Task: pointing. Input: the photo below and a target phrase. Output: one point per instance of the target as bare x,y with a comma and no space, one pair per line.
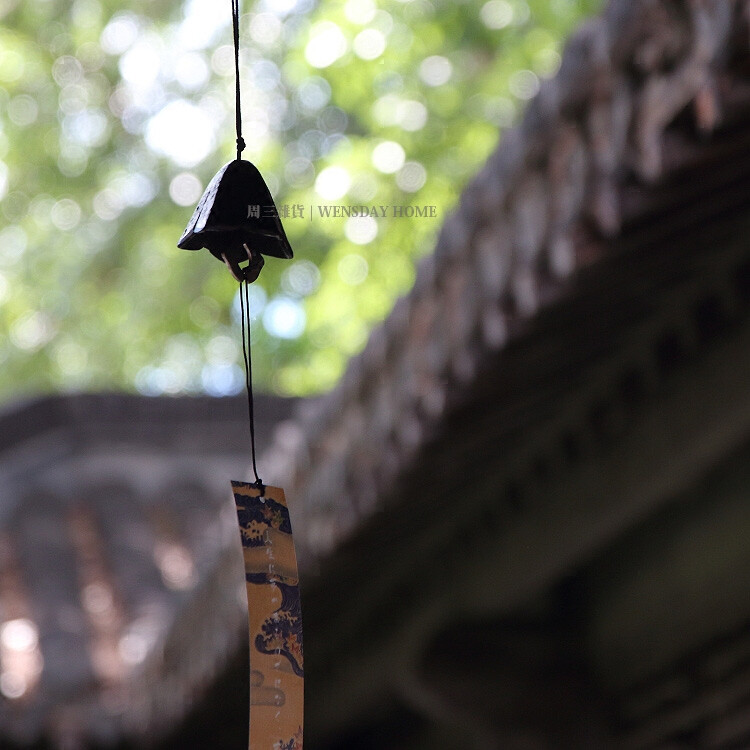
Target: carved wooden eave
572,362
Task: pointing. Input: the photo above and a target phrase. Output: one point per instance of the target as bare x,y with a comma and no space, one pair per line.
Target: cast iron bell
236,220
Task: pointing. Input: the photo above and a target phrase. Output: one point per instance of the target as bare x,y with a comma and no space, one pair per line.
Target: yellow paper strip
275,616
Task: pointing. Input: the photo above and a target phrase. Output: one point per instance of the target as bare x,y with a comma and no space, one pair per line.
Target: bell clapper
250,272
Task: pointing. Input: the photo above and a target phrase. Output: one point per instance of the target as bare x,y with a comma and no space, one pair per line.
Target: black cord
245,322
237,103
244,285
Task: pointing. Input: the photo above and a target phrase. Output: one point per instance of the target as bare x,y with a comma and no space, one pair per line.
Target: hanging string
244,285
245,322
237,105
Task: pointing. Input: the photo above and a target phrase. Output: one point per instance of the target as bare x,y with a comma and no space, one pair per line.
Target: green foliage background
93,292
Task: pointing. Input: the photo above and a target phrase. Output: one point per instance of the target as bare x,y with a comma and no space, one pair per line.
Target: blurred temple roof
115,519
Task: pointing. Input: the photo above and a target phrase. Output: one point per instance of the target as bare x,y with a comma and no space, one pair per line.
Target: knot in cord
237,102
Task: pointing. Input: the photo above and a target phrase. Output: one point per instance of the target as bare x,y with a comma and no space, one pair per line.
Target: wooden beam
701,413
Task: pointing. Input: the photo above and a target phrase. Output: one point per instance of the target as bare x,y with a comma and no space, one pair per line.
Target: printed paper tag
275,615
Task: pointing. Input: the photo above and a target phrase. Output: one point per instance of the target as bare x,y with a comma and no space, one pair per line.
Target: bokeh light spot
23,110
369,44
332,183
185,189
13,685
284,318
119,33
265,29
524,84
327,44
191,71
411,177
301,278
66,214
496,14
314,93
388,157
353,269
411,115
360,11
361,229
183,132
19,635
436,70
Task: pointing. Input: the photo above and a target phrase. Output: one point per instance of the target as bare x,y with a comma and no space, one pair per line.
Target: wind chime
237,221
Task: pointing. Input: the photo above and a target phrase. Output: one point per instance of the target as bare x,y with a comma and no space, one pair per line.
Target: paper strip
275,616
